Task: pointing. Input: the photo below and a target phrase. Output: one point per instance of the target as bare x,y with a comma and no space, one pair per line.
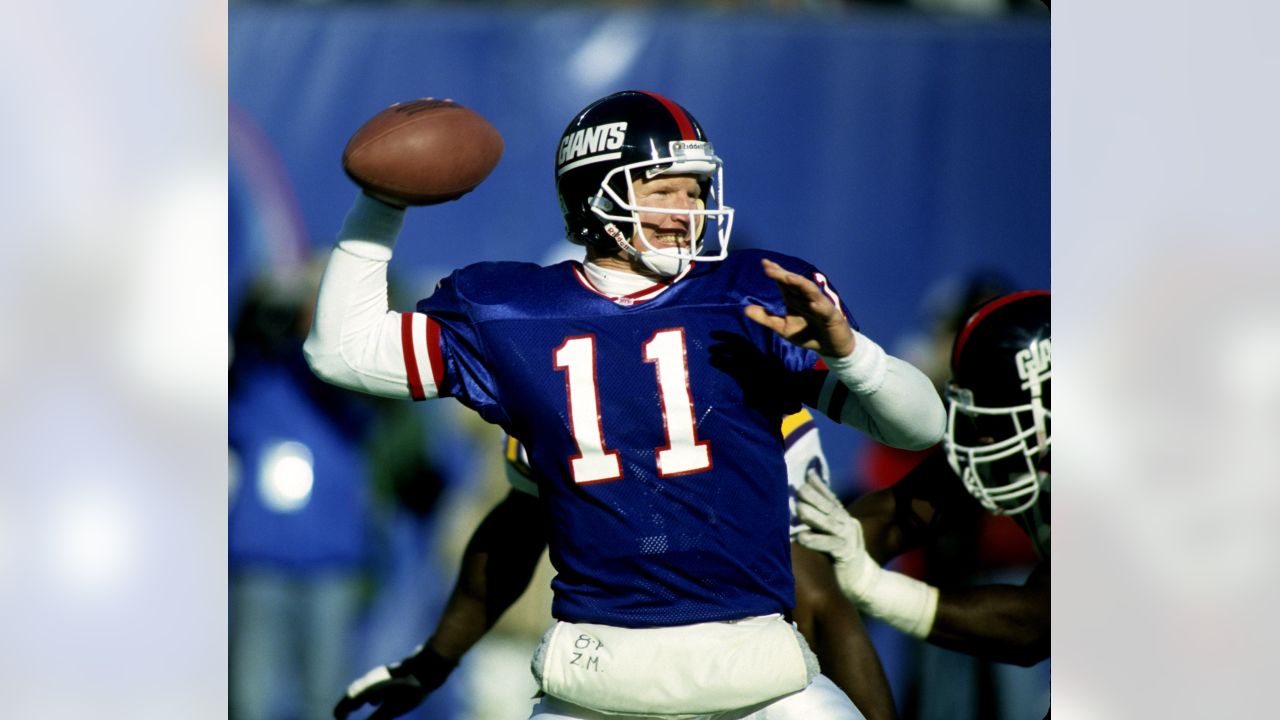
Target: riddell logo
690,147
587,141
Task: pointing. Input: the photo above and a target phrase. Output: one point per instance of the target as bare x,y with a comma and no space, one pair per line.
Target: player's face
999,456
980,430
675,192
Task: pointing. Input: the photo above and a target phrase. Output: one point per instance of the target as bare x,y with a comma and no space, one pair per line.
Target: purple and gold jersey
652,427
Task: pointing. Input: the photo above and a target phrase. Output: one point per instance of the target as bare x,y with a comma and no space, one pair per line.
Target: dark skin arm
835,632
497,566
1004,623
916,510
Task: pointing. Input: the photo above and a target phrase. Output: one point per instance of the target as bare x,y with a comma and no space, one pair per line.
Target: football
423,152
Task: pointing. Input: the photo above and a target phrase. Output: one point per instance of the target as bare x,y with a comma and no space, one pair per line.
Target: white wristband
887,397
864,370
904,602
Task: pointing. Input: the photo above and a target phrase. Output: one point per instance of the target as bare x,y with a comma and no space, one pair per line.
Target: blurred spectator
493,681
947,306
309,462
299,506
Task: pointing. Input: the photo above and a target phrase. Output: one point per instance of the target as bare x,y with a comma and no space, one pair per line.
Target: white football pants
821,700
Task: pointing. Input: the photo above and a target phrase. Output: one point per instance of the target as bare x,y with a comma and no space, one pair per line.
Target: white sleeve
356,340
886,397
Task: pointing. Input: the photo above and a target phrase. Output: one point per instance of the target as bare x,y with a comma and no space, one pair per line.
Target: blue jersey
652,429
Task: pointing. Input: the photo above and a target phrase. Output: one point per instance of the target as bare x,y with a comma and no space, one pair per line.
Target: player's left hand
812,321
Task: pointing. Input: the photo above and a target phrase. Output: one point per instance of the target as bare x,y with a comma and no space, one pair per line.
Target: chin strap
664,265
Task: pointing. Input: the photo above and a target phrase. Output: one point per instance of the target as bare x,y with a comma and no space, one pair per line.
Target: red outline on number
688,394
568,394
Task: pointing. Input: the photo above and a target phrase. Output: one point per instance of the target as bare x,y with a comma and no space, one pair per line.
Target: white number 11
683,453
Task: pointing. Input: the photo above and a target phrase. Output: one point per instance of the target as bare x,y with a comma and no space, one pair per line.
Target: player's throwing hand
812,321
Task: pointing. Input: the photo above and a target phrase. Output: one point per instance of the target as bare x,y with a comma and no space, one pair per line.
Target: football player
502,555
996,453
648,382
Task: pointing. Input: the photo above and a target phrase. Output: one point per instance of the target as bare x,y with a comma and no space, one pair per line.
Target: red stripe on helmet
981,314
678,113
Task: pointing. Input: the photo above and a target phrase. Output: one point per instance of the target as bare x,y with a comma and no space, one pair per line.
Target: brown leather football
423,152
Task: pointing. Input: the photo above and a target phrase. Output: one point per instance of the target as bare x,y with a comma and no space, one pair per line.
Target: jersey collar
620,287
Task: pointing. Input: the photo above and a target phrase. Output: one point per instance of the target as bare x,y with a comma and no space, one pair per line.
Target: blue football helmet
635,135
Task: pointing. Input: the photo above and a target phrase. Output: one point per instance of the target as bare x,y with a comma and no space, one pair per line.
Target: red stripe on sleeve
410,359
433,353
686,127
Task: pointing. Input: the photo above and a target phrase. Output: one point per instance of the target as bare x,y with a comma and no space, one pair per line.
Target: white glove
834,532
901,601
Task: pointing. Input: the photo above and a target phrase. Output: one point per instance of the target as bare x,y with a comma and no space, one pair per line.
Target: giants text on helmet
588,141
1034,363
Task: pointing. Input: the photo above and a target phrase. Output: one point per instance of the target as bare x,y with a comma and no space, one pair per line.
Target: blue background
891,151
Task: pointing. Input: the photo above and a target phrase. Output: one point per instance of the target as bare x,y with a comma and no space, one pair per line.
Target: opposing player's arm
834,629
1004,623
884,396
882,533
913,512
499,562
497,566
356,341
901,601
